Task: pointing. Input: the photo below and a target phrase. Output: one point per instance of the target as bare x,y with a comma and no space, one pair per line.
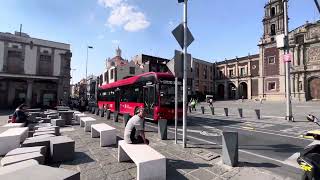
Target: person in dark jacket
19,115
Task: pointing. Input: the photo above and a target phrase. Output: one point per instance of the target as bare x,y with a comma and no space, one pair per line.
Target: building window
242,71
220,74
271,86
273,29
14,54
231,72
271,60
132,70
111,73
105,76
272,11
45,58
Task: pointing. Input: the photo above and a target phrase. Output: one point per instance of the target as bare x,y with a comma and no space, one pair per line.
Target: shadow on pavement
79,158
251,164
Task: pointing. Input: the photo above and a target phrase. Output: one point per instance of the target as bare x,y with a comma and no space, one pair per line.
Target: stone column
297,86
293,81
29,92
237,89
237,70
295,55
249,89
249,68
301,55
226,90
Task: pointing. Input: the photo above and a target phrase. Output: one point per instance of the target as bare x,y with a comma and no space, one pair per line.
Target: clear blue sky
222,29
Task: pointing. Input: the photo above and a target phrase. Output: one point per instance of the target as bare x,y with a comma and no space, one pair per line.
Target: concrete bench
17,166
14,125
86,122
40,133
78,116
58,122
61,148
11,139
67,116
7,160
41,172
43,140
150,163
56,129
107,134
25,150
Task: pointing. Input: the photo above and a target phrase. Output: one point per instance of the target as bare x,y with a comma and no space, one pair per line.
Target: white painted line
247,152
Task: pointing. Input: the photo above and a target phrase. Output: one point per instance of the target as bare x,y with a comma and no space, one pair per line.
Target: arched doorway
232,89
314,88
243,90
220,91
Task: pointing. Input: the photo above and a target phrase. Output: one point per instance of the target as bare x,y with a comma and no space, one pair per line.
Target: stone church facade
269,81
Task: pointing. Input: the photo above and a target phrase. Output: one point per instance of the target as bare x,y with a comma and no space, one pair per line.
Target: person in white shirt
134,124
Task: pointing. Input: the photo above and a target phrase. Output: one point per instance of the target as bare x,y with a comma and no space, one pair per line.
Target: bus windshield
167,95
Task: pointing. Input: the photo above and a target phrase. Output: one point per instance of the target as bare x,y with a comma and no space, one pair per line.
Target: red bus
153,91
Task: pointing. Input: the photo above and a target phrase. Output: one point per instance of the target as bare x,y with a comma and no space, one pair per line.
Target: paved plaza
197,161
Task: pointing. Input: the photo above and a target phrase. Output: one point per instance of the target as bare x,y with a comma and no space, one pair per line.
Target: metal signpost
287,60
184,38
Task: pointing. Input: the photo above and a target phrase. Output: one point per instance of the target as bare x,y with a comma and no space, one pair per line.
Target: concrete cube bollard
115,116
61,149
230,148
108,113
212,110
126,118
102,113
202,109
162,129
240,112
226,111
97,111
257,111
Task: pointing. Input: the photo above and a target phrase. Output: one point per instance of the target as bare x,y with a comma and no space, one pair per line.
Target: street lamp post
88,47
289,116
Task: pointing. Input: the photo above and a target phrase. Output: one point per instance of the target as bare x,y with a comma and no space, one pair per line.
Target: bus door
149,97
117,100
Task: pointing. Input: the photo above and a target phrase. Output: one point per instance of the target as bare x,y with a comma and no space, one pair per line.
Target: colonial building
201,78
32,70
263,75
304,45
237,78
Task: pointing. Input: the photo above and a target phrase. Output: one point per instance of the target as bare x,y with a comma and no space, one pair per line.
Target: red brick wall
271,69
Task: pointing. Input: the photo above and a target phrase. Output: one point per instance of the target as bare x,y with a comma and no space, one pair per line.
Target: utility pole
86,90
185,72
289,116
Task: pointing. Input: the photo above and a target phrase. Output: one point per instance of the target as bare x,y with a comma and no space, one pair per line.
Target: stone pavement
195,162
95,162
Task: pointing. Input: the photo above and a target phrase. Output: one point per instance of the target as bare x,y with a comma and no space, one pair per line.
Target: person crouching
134,124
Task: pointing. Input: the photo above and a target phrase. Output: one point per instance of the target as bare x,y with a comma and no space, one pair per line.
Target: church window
273,29
272,11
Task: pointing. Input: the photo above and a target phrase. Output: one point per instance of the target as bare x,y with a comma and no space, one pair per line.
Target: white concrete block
106,133
150,163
